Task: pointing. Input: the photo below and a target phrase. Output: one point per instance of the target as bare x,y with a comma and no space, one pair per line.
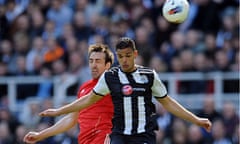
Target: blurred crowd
51,38
37,35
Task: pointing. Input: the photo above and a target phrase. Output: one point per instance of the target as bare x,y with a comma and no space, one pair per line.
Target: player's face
97,64
126,59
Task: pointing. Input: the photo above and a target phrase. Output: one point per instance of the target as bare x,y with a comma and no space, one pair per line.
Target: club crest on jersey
127,90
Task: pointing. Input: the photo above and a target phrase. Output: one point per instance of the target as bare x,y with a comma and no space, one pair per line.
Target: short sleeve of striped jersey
101,87
158,88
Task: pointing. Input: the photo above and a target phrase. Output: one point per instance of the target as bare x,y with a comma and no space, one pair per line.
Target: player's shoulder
143,69
113,70
85,84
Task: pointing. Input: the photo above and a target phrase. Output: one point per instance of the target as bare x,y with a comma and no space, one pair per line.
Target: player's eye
120,56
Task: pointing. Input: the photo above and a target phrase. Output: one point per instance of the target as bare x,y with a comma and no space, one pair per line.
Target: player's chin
95,74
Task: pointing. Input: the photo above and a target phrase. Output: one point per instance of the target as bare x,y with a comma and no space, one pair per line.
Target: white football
175,11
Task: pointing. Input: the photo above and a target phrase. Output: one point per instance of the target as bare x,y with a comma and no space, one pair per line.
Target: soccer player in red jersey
95,121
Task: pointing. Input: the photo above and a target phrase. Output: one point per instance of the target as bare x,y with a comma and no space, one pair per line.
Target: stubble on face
97,64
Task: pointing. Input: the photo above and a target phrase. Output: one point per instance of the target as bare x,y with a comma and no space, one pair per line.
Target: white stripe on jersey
141,115
141,79
122,77
127,103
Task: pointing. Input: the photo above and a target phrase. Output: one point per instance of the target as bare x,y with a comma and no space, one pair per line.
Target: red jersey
95,122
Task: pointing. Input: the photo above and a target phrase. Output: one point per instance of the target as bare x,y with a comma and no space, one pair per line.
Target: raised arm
75,106
176,109
61,126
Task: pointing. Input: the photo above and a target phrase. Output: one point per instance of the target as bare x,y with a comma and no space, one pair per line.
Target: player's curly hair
109,57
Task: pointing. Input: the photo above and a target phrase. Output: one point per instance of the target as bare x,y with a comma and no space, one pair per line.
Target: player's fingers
208,126
28,140
26,137
48,112
45,113
42,114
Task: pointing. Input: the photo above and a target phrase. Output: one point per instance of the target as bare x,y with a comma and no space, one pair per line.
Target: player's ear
135,53
108,65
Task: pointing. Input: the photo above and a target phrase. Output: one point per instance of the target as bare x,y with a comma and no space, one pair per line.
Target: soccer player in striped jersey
132,88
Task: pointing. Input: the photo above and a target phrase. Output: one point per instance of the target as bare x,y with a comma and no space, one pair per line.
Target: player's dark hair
125,42
109,57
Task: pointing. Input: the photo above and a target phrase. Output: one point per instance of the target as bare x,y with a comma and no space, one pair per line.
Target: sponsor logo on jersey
127,90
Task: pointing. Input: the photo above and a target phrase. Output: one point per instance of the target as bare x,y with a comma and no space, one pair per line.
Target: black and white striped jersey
132,98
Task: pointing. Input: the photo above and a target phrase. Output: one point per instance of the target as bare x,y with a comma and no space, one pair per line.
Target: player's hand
49,112
31,137
205,123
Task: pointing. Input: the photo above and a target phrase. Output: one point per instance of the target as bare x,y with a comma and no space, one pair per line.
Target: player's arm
159,90
75,106
61,126
176,109
95,95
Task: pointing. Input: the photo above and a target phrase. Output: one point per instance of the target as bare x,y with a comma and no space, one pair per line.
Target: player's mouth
94,71
125,66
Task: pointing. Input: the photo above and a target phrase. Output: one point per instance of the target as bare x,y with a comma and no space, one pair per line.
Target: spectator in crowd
164,120
227,27
9,119
45,87
30,117
54,51
38,50
37,23
236,64
158,64
143,44
21,48
3,23
235,137
195,135
193,41
230,118
6,53
49,30
179,132
5,135
3,70
60,14
176,65
221,61
20,132
14,9
219,133
82,30
76,63
208,109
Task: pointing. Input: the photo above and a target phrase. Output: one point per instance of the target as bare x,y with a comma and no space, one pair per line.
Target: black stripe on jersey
161,97
97,93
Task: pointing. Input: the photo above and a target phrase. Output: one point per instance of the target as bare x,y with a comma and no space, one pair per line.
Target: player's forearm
61,126
78,104
176,109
